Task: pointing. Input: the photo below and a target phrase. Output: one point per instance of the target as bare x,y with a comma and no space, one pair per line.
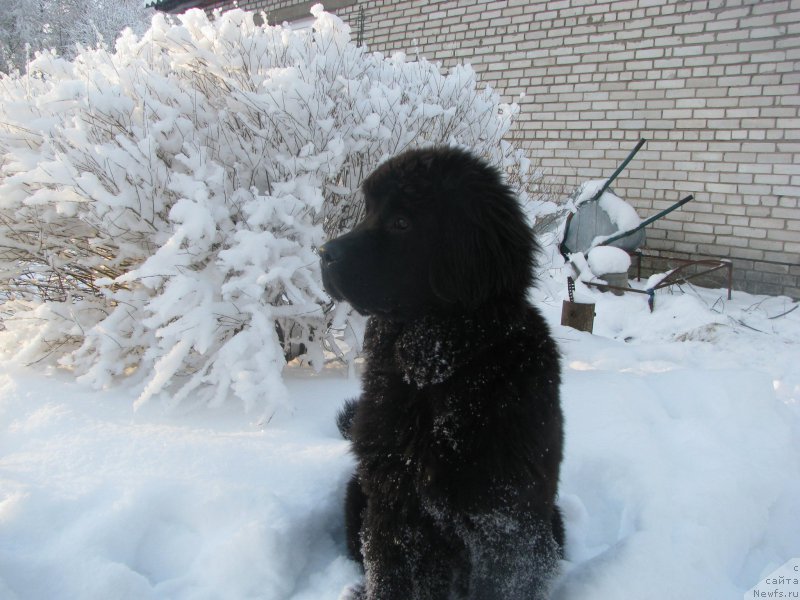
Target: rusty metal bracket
675,276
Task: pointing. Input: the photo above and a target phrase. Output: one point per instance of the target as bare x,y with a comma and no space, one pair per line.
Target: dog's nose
328,253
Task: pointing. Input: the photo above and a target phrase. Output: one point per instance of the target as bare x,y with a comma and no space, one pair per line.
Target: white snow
99,502
622,214
680,480
608,259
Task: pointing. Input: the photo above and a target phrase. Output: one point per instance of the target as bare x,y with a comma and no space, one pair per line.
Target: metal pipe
619,170
647,221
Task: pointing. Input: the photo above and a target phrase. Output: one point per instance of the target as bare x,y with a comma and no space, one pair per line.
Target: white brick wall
714,85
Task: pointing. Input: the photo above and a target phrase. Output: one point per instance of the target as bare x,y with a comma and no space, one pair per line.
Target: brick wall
714,85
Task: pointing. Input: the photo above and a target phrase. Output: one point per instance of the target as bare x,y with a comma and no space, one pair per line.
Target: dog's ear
485,252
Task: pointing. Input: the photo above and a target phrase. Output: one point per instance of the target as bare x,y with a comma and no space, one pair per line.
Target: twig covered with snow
160,206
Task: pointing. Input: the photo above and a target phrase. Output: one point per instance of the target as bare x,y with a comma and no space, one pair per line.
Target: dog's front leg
404,562
387,557
386,578
512,556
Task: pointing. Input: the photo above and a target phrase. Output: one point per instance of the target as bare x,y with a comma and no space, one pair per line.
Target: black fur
344,418
458,431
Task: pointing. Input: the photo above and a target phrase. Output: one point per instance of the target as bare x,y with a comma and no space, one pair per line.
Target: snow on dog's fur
458,431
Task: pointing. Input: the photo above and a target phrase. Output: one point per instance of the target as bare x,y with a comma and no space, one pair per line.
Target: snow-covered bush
160,206
30,25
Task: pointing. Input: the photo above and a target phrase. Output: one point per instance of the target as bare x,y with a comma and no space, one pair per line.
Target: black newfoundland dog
458,431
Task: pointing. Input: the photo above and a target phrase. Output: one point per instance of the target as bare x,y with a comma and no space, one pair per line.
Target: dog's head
442,232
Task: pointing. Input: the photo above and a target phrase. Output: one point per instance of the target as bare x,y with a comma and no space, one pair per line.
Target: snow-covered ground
681,478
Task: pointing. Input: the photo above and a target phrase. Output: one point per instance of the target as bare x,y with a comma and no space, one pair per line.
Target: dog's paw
353,592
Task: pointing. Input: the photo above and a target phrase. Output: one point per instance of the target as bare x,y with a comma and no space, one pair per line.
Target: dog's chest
410,440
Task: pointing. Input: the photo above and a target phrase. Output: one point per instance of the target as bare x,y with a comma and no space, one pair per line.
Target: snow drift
680,480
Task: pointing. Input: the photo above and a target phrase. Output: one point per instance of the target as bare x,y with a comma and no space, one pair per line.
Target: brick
786,213
783,235
741,252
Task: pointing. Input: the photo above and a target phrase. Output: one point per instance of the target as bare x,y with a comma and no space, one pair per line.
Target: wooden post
577,315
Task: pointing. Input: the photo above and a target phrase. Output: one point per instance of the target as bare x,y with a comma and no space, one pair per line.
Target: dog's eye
400,224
